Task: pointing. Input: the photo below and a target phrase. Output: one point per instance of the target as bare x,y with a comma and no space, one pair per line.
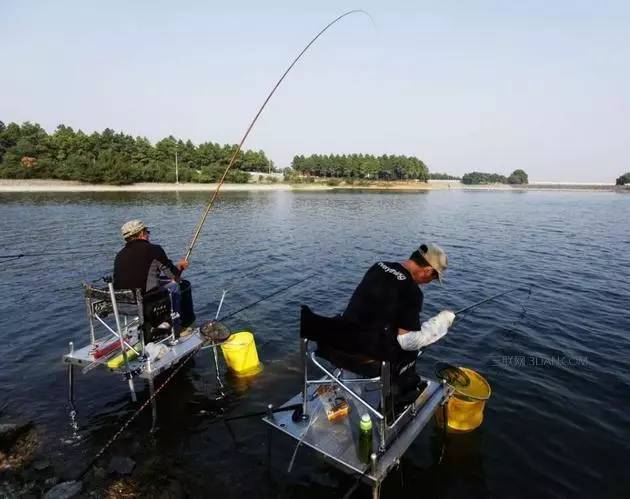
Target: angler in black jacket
141,264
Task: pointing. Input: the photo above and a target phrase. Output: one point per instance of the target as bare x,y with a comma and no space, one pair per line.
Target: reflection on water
551,428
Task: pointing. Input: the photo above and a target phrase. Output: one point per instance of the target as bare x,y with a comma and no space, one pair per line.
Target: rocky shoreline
26,473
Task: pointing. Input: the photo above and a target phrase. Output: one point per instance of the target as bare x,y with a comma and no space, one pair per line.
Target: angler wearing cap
140,264
389,297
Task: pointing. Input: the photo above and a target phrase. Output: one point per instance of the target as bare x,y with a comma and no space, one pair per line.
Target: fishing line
210,204
135,415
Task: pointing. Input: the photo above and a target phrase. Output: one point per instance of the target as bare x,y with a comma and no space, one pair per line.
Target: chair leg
386,402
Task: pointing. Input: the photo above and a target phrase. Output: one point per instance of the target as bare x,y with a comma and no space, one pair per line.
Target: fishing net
214,332
454,376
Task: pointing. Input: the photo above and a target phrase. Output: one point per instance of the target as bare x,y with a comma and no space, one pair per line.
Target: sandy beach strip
9,185
40,185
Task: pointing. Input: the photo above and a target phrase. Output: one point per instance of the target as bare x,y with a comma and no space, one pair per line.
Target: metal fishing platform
337,441
134,336
141,366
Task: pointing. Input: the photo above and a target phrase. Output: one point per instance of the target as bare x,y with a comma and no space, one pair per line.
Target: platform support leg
153,406
376,488
269,429
304,351
71,380
216,371
73,412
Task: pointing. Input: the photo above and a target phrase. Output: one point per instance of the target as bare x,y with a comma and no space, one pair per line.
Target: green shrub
518,177
483,178
623,179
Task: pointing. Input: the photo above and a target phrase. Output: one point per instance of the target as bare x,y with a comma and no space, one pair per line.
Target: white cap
132,227
436,257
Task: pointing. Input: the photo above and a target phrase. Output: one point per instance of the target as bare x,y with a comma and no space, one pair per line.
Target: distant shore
10,185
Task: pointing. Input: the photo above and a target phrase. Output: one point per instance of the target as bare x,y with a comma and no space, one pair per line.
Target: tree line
517,177
28,151
442,176
385,167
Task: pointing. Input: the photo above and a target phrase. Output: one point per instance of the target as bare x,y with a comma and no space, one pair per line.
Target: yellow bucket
465,407
240,354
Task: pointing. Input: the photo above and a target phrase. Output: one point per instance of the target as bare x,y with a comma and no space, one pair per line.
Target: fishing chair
150,313
100,304
377,363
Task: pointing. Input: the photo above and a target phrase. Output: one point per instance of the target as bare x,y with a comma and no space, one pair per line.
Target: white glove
447,316
431,331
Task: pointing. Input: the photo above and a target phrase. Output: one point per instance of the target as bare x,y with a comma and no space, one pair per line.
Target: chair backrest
341,335
100,302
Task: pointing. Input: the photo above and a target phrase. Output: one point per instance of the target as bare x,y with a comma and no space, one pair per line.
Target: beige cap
132,227
436,257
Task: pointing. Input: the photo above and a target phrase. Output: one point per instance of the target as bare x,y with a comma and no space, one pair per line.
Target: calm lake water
558,422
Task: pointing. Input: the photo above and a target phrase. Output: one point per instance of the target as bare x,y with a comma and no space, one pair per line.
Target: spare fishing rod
17,256
232,314
493,297
210,204
291,407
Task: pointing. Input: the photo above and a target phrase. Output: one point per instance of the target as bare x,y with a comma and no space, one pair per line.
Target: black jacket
386,297
139,265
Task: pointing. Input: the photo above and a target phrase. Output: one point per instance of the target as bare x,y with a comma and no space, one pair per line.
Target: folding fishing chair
336,344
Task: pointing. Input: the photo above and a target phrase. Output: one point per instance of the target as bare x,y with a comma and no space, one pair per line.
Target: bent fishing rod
236,152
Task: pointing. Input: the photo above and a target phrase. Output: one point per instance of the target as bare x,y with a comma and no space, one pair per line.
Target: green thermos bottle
365,438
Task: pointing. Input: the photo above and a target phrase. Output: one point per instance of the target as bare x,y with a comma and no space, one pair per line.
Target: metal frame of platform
126,334
338,441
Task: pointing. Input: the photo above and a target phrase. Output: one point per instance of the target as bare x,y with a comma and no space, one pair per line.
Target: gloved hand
183,264
447,316
430,331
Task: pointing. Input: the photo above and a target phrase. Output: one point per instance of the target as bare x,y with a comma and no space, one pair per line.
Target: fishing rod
16,256
210,204
493,297
285,408
266,297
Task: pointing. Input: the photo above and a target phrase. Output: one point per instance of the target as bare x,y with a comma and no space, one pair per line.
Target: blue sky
490,86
